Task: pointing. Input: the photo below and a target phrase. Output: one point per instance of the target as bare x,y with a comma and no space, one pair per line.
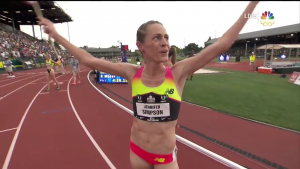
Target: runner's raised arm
119,69
189,66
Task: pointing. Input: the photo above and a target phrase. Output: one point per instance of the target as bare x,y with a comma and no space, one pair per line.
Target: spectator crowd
18,44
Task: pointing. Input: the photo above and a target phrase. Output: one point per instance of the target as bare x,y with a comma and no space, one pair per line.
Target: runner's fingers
44,21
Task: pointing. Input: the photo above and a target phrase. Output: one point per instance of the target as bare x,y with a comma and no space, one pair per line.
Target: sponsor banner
295,78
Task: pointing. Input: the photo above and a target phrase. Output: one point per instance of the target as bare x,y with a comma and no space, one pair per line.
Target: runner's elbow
83,57
89,62
223,45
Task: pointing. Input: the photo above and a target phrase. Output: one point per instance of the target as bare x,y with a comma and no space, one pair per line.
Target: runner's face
156,45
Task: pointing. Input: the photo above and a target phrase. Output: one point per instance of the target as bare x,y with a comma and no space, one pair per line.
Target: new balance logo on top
171,91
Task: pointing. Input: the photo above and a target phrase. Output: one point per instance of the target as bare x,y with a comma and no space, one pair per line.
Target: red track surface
51,135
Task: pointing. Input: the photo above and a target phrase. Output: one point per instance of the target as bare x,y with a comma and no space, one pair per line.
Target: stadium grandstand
249,42
106,52
23,49
16,13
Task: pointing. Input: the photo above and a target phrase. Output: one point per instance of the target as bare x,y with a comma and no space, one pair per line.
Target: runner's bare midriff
154,137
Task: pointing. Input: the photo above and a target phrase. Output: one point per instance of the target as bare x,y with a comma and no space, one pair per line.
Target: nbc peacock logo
267,19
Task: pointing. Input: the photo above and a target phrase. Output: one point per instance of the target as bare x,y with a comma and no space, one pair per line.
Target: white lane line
7,78
63,90
44,93
87,132
188,143
19,80
13,143
2,131
20,88
13,78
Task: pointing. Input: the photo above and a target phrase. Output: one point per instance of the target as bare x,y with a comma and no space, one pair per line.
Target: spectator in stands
252,61
8,67
20,45
2,54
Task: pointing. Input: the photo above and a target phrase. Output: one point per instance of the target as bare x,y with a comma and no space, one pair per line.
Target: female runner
58,65
50,72
61,65
156,89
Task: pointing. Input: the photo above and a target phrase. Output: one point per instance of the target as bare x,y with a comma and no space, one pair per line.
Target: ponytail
173,54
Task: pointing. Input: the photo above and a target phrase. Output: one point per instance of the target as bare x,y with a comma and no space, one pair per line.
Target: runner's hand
48,26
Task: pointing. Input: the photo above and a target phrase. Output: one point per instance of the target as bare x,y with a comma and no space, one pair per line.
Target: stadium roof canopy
279,46
268,32
103,50
23,14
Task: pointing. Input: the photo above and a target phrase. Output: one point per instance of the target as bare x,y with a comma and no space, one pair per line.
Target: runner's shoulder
130,69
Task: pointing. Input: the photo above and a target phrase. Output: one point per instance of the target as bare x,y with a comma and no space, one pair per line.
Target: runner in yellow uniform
50,72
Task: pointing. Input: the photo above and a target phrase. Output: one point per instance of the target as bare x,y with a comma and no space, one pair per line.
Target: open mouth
164,51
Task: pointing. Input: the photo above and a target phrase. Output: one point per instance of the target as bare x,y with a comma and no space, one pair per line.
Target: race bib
153,110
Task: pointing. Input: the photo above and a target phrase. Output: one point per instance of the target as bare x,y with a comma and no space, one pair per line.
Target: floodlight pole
41,32
33,30
297,56
272,55
13,23
290,50
121,45
68,31
265,56
215,34
246,49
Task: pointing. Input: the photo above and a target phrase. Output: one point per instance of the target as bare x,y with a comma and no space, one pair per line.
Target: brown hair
173,54
142,31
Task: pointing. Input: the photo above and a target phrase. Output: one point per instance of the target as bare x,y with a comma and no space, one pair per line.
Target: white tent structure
280,46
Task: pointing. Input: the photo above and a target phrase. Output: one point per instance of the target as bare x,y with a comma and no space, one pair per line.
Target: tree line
186,51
